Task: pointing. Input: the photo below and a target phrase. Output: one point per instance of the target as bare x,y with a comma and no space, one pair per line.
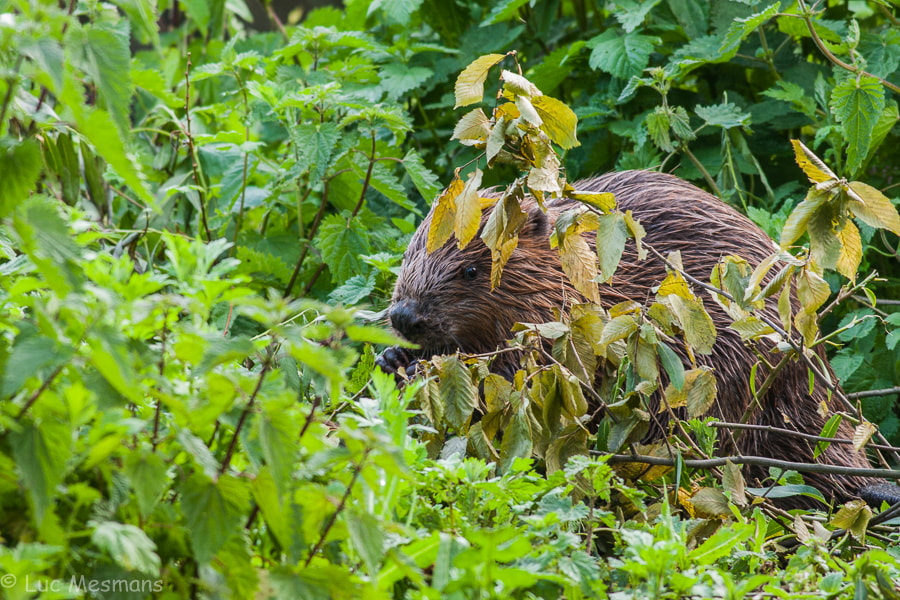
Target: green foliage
192,193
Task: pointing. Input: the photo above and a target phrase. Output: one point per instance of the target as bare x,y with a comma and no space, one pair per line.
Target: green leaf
199,12
398,78
277,439
317,142
147,473
367,536
457,392
504,10
213,512
422,177
98,128
741,28
612,234
672,364
396,11
857,103
106,58
725,115
342,245
142,13
44,237
517,442
719,544
20,165
622,56
30,355
631,13
41,452
128,546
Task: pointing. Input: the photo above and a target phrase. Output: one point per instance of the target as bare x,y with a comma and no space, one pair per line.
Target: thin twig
872,393
190,142
247,409
798,434
339,509
834,59
40,390
759,461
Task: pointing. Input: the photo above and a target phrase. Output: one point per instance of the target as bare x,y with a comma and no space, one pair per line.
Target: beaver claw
393,359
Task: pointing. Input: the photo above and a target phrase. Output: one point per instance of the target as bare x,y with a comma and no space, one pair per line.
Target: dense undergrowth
198,213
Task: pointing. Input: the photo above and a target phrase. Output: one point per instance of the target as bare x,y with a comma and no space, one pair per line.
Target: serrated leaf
580,265
469,86
873,208
812,290
41,453
105,57
612,235
517,442
851,251
398,78
741,28
857,103
862,434
367,536
798,220
20,165
518,85
713,503
559,121
443,215
128,546
422,177
458,393
725,115
733,481
853,516
697,394
812,165
503,11
495,140
698,326
618,328
723,541
276,438
342,243
468,210
474,125
213,511
147,474
622,56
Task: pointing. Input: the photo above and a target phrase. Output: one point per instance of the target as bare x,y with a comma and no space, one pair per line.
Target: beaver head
443,300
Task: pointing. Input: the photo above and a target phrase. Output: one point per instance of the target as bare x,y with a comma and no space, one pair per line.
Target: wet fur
677,216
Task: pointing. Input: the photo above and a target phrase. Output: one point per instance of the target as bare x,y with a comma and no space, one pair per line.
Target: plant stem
338,511
40,391
247,409
190,141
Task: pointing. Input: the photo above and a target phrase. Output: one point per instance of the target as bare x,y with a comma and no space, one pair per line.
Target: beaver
443,302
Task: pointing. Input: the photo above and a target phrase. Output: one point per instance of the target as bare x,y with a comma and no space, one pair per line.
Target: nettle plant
629,347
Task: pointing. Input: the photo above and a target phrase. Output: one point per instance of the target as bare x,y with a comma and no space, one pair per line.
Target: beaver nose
405,318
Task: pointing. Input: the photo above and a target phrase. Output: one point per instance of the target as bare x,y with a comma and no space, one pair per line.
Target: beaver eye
469,273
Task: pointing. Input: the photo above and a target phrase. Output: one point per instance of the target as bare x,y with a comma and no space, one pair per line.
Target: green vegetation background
189,199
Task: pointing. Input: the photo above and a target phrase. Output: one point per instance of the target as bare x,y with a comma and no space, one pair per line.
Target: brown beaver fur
443,302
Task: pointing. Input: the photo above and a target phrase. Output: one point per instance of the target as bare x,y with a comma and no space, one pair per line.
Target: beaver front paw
393,359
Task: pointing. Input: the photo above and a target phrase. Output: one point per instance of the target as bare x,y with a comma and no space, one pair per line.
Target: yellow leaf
604,201
674,283
518,85
526,108
811,164
698,327
812,290
545,179
698,392
784,305
862,434
617,329
638,232
580,265
468,210
796,223
873,208
495,140
851,251
470,83
560,122
474,126
443,215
